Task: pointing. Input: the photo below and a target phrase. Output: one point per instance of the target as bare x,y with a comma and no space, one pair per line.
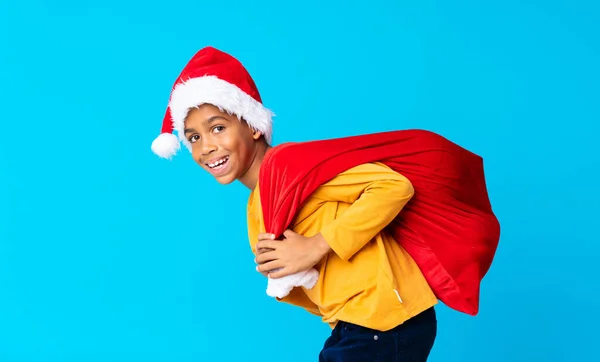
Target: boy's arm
377,194
297,296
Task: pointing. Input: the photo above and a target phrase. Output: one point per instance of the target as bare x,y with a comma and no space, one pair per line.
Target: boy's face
221,143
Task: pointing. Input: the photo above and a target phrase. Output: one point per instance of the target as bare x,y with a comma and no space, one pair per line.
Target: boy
370,290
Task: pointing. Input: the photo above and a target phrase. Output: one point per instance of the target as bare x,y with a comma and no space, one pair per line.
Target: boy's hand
291,255
259,251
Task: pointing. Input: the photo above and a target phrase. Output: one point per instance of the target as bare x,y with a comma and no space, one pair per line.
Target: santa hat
216,78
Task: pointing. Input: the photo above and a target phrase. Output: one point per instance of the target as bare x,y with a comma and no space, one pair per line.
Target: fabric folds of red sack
448,227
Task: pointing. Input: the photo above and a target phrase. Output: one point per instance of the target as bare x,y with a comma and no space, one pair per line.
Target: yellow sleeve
252,234
377,194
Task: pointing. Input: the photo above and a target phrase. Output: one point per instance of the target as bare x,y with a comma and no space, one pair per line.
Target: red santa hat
216,78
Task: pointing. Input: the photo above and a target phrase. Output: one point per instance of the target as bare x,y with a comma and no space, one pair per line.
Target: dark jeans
410,341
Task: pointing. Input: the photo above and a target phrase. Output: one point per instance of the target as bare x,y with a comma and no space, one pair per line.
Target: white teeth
218,163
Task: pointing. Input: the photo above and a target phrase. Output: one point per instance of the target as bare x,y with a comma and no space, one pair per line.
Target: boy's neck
250,178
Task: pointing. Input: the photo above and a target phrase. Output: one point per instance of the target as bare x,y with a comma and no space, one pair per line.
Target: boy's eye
194,138
219,129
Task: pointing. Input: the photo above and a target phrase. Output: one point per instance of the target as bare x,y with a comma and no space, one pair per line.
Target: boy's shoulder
291,167
295,158
283,151
288,158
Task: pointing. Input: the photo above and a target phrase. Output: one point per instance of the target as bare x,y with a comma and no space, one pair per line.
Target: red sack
448,227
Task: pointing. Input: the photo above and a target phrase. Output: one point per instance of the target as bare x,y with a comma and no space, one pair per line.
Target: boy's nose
208,149
201,153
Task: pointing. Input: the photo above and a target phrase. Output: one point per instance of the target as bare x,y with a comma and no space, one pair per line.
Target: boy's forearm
321,244
377,206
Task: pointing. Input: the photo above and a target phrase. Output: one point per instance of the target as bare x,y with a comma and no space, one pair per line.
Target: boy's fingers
267,244
289,233
267,267
282,272
266,236
265,257
263,250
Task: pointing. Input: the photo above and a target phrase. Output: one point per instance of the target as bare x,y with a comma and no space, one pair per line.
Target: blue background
108,253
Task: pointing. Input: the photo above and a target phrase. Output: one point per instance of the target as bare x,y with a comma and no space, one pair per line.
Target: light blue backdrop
108,253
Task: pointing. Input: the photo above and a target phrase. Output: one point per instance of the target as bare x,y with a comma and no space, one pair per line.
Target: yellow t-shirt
368,279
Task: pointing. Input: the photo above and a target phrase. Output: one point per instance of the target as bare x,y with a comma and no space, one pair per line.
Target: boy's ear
256,134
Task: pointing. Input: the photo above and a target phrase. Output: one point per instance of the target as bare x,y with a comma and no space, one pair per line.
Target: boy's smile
218,166
223,145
